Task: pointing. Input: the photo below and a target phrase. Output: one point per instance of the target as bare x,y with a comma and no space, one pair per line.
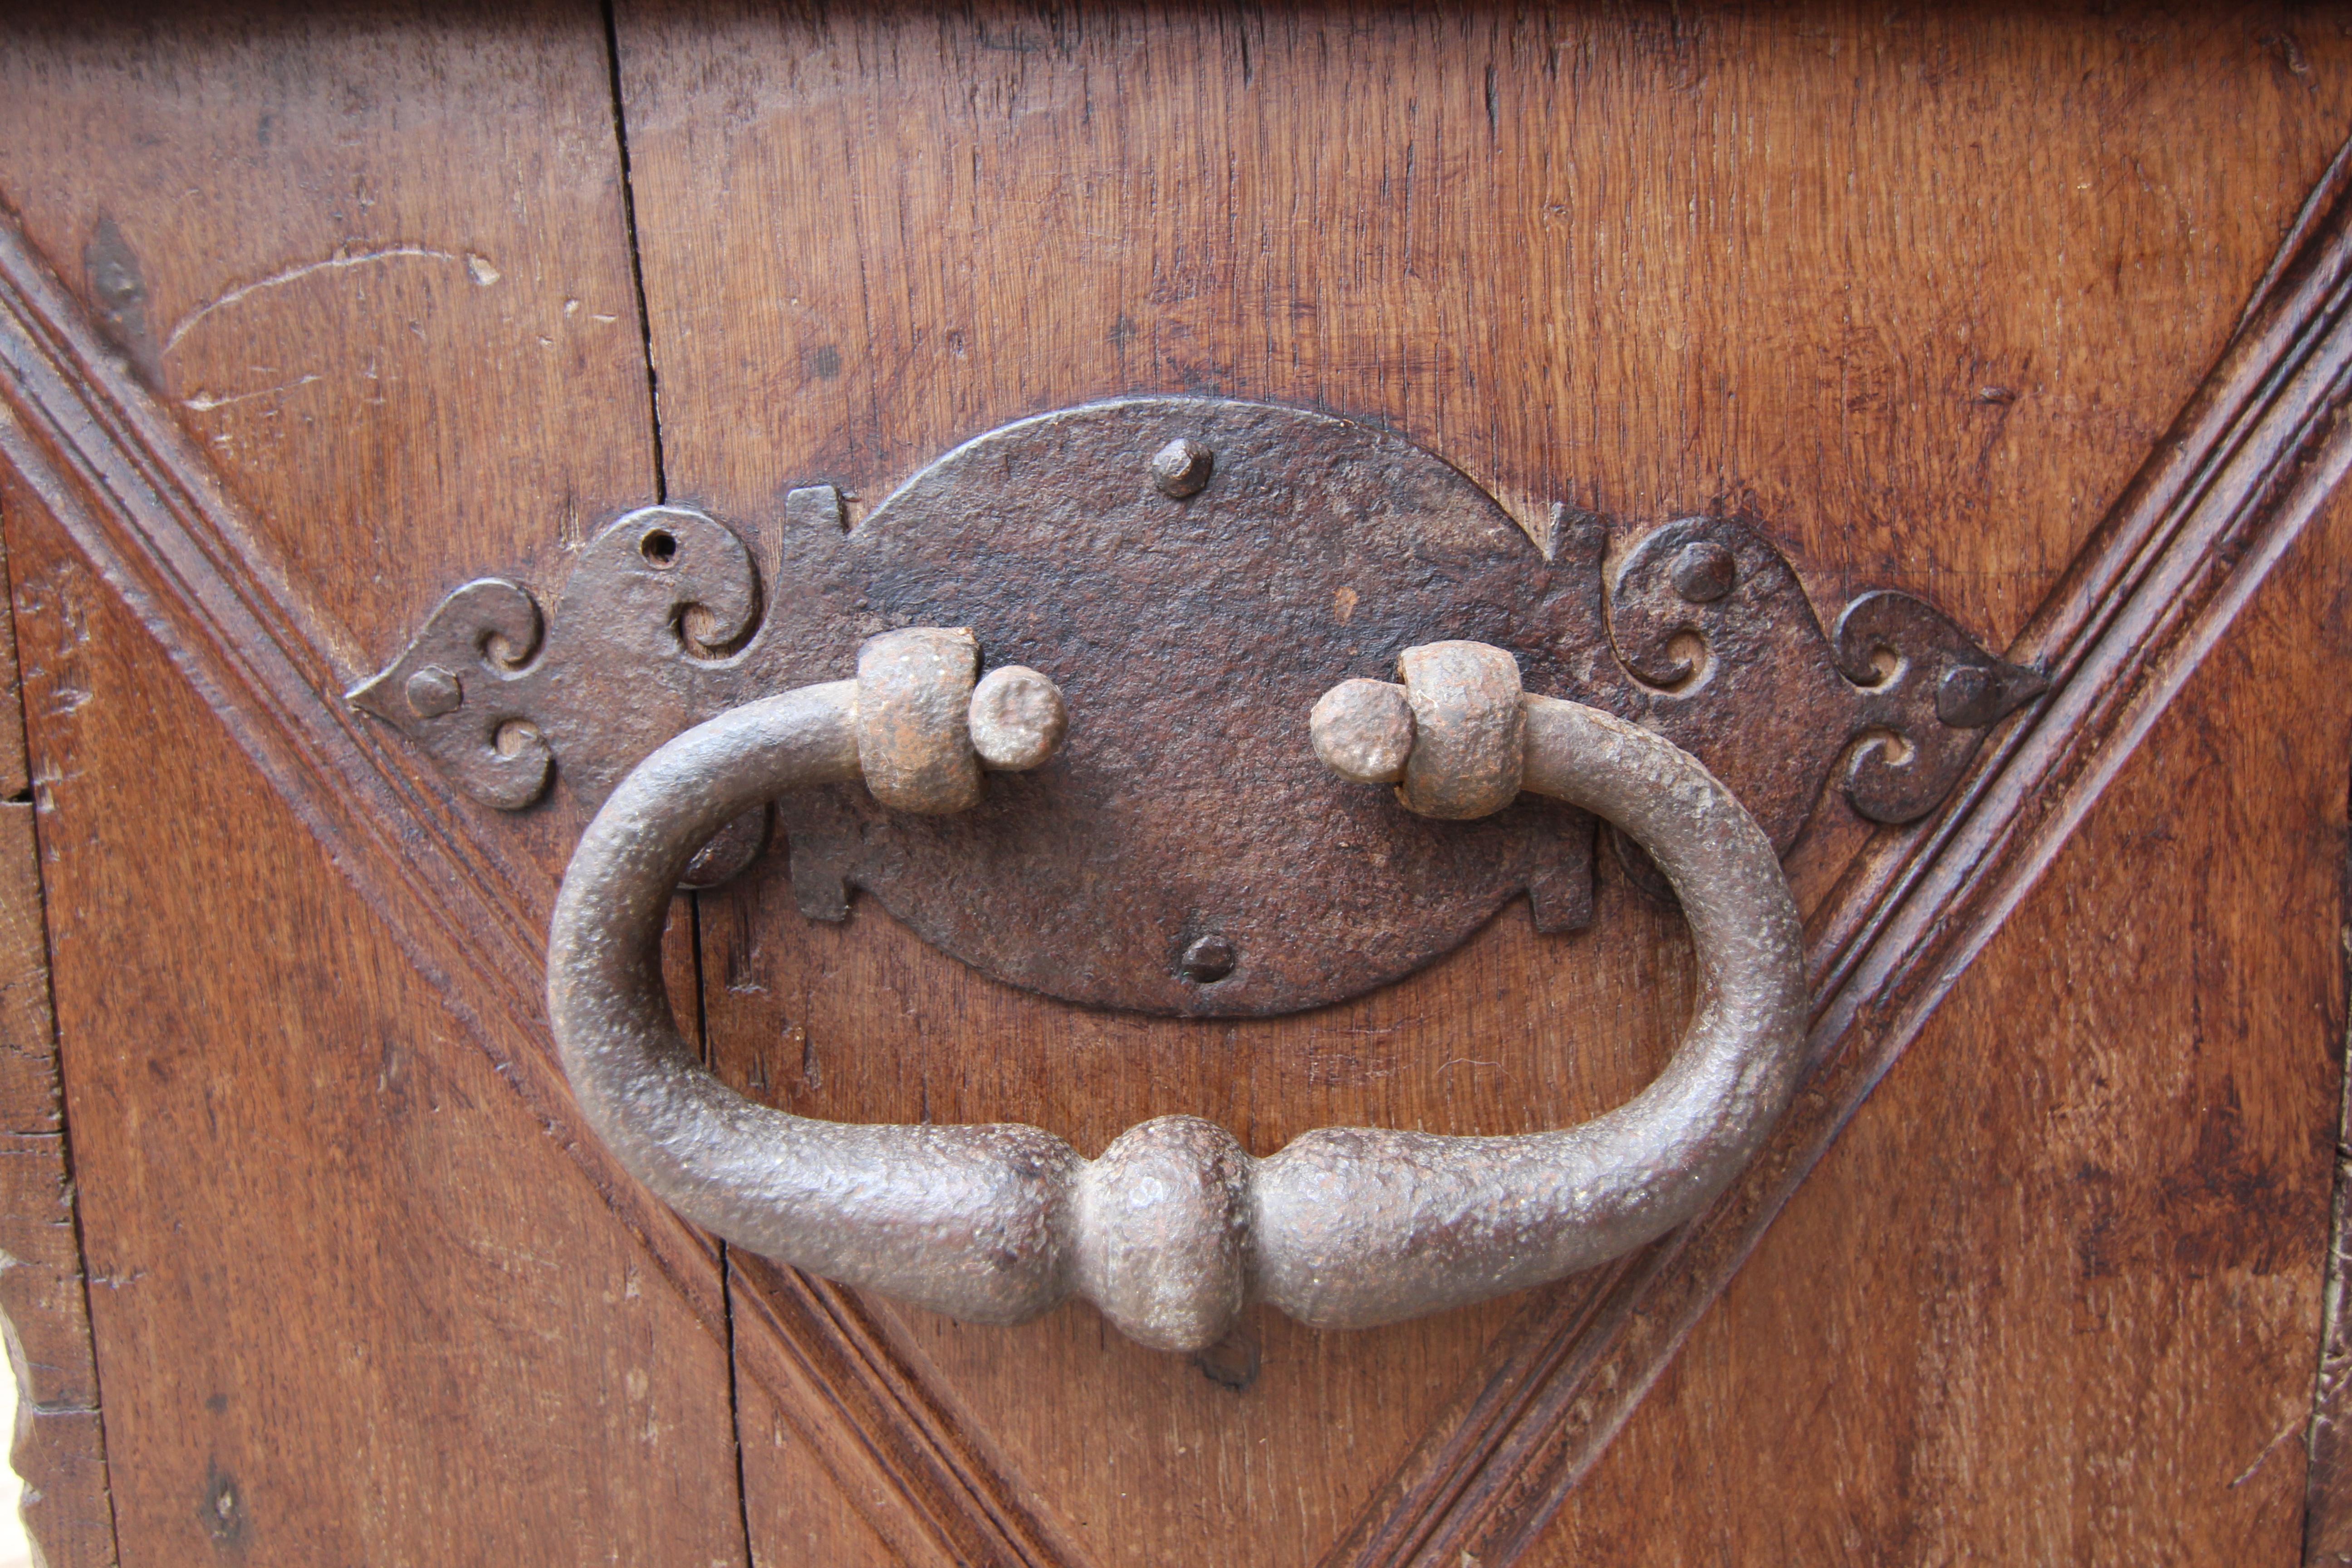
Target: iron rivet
433,691
1704,571
1182,467
1208,960
1969,696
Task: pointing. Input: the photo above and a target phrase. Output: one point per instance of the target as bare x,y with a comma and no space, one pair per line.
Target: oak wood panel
2247,469
338,240
1941,277
59,1448
2054,1297
461,895
375,259
348,1310
788,1519
1639,263
329,243
89,441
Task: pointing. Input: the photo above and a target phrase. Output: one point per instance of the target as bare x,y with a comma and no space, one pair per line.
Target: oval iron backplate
1185,853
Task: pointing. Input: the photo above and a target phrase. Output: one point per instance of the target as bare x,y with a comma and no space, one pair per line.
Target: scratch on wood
205,401
479,268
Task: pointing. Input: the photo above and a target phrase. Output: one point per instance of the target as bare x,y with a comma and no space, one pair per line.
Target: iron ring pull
1176,1227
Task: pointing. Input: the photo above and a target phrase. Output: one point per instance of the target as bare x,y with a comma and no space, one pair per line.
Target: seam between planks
123,483
2243,470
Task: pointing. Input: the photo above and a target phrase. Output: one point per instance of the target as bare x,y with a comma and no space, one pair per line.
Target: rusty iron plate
1194,572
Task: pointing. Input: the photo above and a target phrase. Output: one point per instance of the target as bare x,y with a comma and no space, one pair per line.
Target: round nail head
1182,467
731,854
1208,959
1363,730
433,691
1969,696
1704,571
1018,718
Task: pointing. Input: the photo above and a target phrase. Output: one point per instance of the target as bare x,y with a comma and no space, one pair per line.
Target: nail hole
659,547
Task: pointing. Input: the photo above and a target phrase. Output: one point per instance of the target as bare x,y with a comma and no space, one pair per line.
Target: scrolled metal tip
1018,718
1363,730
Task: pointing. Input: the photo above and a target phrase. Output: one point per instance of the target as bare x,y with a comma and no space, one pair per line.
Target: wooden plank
326,245
1912,319
2328,1475
801,1516
779,1054
152,519
42,1282
2246,472
2054,1296
59,1442
59,1448
30,1102
96,452
350,1306
61,1454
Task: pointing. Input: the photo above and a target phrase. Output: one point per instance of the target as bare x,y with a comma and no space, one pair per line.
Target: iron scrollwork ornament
1191,572
1078,753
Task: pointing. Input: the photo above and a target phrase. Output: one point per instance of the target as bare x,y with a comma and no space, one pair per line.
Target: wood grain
59,1448
349,1307
2245,471
2328,1470
2054,1296
92,442
1321,205
463,897
1881,284
330,130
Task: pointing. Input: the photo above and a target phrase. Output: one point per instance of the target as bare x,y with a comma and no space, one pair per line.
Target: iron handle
1176,1227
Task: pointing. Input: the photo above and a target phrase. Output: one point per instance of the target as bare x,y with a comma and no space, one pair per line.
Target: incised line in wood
2244,469
120,477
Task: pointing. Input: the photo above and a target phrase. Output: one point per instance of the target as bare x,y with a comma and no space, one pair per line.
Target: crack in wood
92,446
2244,469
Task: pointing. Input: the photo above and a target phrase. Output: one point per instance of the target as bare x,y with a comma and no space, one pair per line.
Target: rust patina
1192,573
1176,1228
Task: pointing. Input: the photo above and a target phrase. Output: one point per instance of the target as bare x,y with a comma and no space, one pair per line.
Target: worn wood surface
351,1311
2327,1474
2054,1294
361,1306
1878,282
1921,293
59,1447
2247,471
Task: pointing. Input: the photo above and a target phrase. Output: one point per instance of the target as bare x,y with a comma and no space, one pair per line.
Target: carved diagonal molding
2243,470
117,476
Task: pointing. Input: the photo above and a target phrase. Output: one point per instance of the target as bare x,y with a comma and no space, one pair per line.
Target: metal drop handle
1176,1227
